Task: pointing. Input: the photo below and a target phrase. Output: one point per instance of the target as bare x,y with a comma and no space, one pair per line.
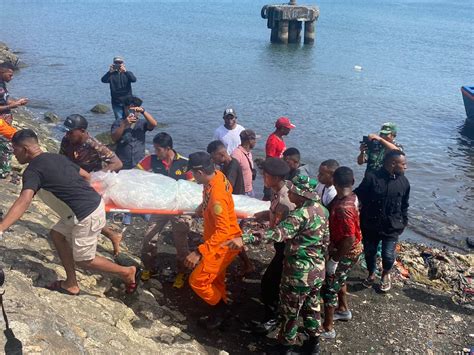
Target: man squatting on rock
63,186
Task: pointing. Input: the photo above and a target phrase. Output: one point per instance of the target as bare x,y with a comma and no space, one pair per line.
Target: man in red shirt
344,250
275,145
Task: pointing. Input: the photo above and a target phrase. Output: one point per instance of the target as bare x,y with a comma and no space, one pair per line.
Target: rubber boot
311,346
218,315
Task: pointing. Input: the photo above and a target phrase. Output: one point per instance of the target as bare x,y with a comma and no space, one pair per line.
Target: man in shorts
81,210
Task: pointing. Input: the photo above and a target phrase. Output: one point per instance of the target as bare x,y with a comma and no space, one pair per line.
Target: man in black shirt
384,197
63,187
120,81
229,166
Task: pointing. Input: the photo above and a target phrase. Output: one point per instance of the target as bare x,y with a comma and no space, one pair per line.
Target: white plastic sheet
143,190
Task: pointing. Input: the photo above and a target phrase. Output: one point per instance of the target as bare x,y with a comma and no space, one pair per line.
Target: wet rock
51,117
7,56
100,108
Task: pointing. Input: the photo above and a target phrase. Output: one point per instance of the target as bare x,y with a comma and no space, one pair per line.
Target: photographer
374,147
120,81
129,132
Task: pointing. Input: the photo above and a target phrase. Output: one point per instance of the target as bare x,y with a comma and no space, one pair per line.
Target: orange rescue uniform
220,225
6,130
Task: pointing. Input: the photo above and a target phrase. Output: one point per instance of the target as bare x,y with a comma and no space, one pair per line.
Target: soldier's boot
219,315
311,346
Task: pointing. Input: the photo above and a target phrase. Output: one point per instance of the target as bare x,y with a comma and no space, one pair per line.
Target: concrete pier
286,22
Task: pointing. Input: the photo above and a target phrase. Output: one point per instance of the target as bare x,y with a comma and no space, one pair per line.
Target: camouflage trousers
6,153
295,300
334,283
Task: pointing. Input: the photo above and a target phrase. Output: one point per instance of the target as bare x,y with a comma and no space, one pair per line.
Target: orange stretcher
111,207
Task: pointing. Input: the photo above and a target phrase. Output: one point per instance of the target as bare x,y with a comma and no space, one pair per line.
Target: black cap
230,112
276,167
74,122
199,160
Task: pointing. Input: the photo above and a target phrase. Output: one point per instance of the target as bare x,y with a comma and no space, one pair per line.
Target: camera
117,67
371,144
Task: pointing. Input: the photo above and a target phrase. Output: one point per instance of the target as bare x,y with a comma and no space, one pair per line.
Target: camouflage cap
388,128
304,186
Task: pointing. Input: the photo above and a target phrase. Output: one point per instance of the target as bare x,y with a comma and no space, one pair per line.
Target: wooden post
309,32
294,32
274,35
283,31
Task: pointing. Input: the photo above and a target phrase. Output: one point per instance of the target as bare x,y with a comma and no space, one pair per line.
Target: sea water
194,58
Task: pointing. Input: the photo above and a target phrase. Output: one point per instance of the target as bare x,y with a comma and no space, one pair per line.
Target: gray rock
6,55
51,117
100,108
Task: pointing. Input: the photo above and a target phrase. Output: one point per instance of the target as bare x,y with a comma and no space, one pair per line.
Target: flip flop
56,286
132,287
368,283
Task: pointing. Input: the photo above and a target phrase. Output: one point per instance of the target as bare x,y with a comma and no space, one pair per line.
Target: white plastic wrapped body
137,189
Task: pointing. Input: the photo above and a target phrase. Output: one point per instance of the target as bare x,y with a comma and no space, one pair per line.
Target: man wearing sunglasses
229,132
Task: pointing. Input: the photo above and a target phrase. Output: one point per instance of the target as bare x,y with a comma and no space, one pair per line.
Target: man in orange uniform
211,259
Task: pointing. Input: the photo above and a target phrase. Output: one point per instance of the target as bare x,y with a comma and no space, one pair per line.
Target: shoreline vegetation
428,311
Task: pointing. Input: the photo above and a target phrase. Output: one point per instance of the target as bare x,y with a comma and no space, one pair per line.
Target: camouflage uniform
334,283
375,156
306,233
91,156
6,153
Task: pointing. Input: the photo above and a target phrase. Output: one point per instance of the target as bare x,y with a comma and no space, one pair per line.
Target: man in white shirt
325,188
229,132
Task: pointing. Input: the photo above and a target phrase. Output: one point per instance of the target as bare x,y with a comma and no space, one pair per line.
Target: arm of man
151,122
287,229
11,104
363,190
233,173
130,76
85,175
405,205
221,233
362,157
106,78
18,209
118,128
388,146
109,159
145,164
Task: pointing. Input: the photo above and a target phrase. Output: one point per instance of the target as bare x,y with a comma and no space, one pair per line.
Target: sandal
56,286
368,282
386,285
132,287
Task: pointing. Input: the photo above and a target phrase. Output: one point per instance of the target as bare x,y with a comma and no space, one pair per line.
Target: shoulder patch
217,209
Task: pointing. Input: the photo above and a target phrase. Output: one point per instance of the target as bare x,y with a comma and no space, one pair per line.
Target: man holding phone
120,81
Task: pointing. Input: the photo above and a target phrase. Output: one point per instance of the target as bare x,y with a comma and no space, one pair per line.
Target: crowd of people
320,227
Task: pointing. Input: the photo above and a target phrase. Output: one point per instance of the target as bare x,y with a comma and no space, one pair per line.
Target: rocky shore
429,310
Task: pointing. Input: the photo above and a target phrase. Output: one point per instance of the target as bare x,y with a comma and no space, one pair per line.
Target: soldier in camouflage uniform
380,144
306,233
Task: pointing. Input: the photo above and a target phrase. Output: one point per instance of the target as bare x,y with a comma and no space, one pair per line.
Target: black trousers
270,284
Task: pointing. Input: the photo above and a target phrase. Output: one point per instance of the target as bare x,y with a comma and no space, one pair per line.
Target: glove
331,266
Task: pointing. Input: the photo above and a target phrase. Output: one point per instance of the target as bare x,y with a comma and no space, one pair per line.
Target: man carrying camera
129,132
120,81
374,147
